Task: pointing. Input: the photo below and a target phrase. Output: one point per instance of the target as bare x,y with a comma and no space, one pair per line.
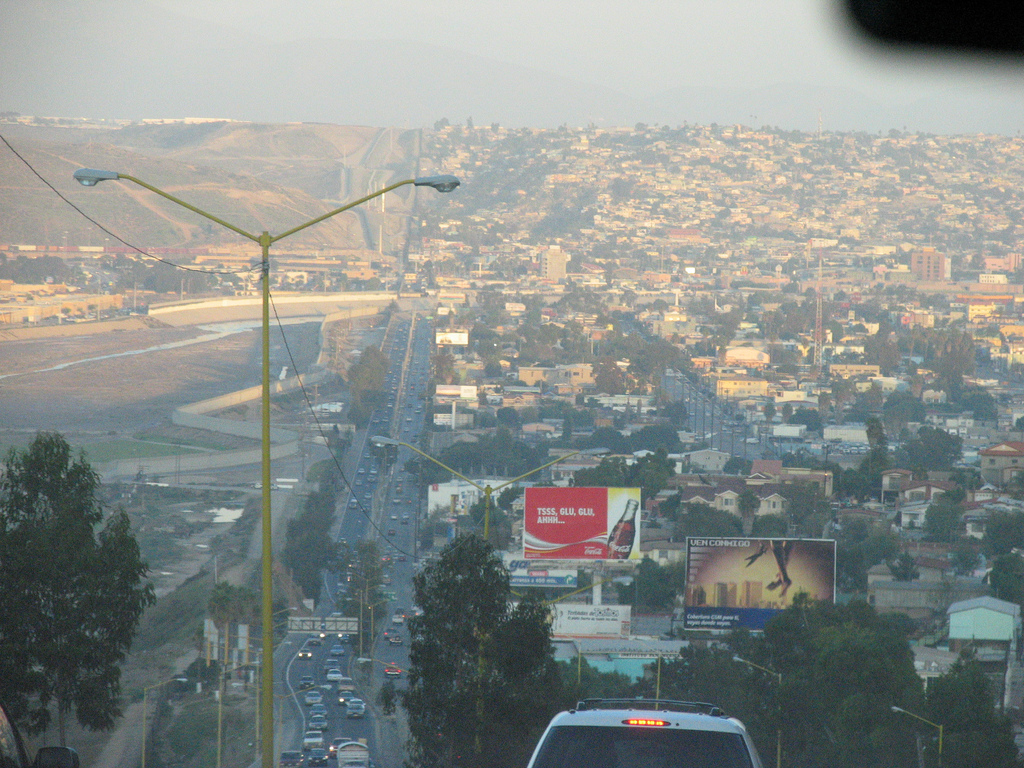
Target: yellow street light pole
778,678
90,177
487,490
923,720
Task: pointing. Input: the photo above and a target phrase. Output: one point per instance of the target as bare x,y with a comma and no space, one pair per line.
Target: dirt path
123,748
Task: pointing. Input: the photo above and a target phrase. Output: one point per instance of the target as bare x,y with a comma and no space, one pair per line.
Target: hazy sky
519,63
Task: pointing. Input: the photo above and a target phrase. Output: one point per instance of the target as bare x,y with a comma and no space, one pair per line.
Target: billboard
452,338
460,391
582,524
582,620
526,574
741,582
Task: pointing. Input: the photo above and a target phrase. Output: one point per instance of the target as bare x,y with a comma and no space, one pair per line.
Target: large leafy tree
975,734
73,589
481,672
843,668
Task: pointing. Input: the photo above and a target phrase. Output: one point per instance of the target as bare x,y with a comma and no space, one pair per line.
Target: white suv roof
656,715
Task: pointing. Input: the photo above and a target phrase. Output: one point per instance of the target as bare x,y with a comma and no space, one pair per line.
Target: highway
391,498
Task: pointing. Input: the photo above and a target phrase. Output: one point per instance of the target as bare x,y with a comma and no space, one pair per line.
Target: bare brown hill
255,176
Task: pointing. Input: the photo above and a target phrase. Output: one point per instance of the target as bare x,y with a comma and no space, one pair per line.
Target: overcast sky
520,63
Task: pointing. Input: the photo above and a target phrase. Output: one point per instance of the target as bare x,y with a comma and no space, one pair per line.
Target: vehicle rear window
571,746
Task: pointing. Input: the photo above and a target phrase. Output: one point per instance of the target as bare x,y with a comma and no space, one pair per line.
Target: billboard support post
597,597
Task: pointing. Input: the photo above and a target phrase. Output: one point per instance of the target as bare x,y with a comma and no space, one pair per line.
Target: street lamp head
90,177
445,183
894,708
594,451
380,440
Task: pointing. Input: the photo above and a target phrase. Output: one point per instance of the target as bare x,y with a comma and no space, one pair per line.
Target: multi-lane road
382,503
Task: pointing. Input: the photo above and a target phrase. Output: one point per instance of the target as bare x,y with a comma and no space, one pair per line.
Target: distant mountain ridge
255,176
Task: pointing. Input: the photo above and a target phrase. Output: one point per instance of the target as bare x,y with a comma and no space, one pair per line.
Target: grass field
115,450
209,440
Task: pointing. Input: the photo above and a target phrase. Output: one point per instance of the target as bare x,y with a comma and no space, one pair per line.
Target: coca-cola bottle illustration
620,541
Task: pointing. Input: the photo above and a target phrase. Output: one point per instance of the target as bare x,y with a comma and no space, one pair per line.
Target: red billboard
582,524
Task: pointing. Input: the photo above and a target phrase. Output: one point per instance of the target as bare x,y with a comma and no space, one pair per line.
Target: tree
480,671
748,503
1003,532
932,449
975,733
769,526
809,417
654,587
901,408
942,519
699,519
903,567
387,697
73,589
841,669
981,403
876,433
608,378
1007,578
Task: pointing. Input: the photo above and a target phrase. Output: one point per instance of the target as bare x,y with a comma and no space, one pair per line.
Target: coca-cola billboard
582,524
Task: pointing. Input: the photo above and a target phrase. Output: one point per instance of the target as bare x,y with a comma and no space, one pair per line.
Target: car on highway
315,639
312,740
318,709
392,671
337,650
395,639
306,681
346,685
335,675
318,758
355,708
313,697
305,653
318,723
290,759
644,732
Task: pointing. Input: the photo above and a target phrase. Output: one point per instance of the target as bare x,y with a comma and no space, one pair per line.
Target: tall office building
927,264
552,264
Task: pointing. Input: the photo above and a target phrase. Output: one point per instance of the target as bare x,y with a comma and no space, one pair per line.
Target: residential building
1002,462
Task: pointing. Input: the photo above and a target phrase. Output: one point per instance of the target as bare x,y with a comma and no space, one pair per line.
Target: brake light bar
645,721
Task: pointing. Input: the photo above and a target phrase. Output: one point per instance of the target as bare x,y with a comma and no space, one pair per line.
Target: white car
602,732
312,740
314,697
335,675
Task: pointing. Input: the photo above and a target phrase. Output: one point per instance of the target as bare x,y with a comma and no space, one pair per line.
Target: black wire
102,228
320,429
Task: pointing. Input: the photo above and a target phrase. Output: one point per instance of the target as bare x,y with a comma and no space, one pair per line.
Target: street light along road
923,720
487,490
90,177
